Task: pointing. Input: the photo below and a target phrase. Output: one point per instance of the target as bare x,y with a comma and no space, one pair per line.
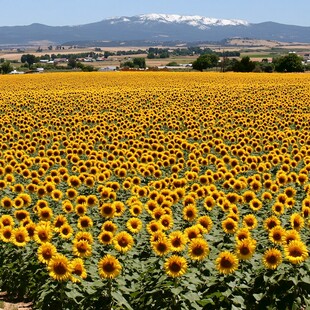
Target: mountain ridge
169,27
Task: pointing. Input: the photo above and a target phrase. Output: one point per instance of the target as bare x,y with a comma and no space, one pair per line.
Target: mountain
155,27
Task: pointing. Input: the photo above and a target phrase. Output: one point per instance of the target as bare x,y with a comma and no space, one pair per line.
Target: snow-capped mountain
192,20
155,27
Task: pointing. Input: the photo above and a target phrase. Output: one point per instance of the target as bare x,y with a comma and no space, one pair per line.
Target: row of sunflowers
155,190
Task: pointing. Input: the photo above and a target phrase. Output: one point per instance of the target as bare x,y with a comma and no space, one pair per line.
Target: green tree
6,67
244,65
29,59
72,63
139,62
205,61
288,63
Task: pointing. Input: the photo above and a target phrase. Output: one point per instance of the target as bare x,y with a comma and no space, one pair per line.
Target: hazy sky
75,12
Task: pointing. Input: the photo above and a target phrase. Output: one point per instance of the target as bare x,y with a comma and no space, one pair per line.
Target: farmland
140,190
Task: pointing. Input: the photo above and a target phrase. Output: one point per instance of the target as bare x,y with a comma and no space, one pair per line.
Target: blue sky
75,12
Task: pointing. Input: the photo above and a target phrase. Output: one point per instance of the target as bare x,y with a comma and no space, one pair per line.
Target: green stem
62,295
110,293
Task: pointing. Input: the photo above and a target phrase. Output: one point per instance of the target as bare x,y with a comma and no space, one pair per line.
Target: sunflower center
82,248
226,263
176,242
20,238
198,250
123,242
108,267
295,252
272,259
161,247
175,267
84,223
106,238
78,270
47,254
60,268
43,235
230,226
244,250
7,234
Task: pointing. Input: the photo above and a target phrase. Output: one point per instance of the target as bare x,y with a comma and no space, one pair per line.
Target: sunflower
190,212
248,196
81,248
43,232
153,227
256,204
209,203
192,232
46,251
6,220
272,258
84,235
278,208
56,194
123,242
6,202
177,241
105,237
45,213
78,269
74,181
20,236
134,225
119,208
276,234
59,267
109,226
66,231
166,221
296,252
175,266
226,262
107,210
198,249
161,246
18,203
242,233
271,222
249,221
297,221
6,233
229,226
290,235
84,222
71,193
245,248
109,267
206,223
21,215
136,209
31,226
59,221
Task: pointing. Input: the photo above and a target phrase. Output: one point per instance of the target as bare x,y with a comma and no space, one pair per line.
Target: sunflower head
272,258
109,267
226,262
175,266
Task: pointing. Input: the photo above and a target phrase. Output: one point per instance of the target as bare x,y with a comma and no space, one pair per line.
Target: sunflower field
158,190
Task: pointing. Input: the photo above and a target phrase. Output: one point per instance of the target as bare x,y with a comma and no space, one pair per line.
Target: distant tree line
286,63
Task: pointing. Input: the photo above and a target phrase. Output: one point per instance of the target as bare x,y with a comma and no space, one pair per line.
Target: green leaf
176,290
239,300
121,300
206,301
258,297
